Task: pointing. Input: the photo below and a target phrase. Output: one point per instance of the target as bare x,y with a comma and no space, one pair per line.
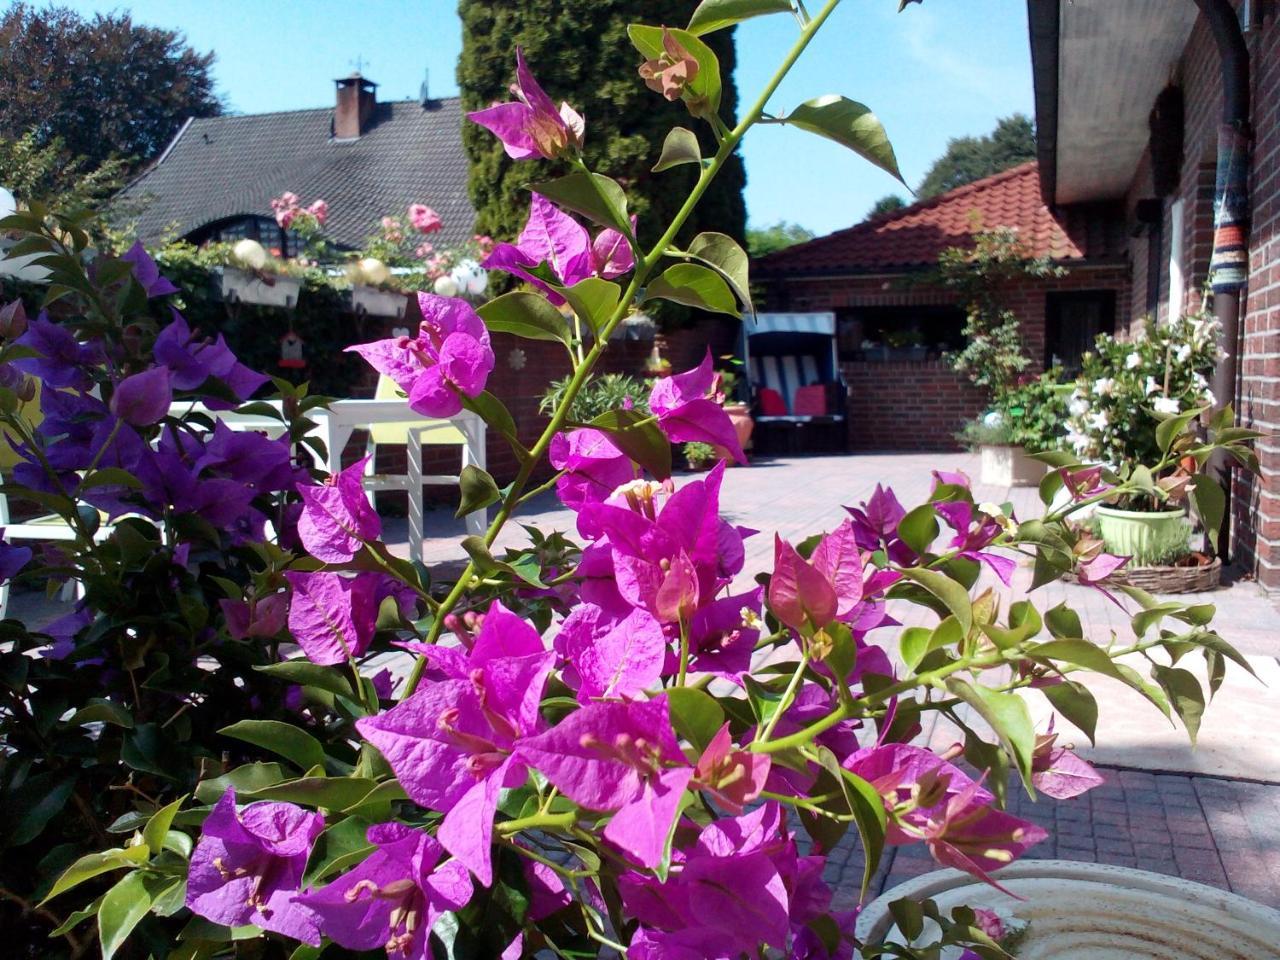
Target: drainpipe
1229,268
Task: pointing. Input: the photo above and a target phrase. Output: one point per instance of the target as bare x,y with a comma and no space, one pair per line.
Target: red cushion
771,403
811,401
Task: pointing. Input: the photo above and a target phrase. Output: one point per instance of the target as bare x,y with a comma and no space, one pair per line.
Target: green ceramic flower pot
1139,533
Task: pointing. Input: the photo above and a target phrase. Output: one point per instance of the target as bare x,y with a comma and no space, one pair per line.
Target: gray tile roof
231,166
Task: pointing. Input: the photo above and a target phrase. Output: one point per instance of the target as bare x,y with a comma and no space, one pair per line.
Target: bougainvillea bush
259,734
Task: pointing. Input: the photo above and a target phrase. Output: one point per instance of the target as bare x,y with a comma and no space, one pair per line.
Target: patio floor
1210,814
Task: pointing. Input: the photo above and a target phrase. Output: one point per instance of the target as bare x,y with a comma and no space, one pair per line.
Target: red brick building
893,325
1169,110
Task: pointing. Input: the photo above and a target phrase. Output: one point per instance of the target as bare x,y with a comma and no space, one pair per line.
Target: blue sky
941,69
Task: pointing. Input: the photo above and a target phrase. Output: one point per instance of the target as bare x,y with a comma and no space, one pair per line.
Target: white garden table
334,427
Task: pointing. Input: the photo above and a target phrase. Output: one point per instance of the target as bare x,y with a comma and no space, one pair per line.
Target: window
1072,323
263,229
913,332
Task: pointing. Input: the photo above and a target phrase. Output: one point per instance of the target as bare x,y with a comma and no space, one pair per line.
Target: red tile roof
915,235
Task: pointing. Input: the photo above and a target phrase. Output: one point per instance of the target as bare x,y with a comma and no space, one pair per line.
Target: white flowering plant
1126,388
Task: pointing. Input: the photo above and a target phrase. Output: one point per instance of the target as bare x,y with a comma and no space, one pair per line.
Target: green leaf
695,714
717,14
594,300
1064,622
913,645
246,779
525,315
1049,487
868,812
1169,430
594,196
680,146
1209,503
953,596
110,476
1074,701
723,255
919,528
157,828
103,711
28,809
694,286
340,846
1185,696
123,907
76,918
1079,653
95,864
487,563
850,124
642,441
479,490
308,674
332,793
494,412
702,95
288,741
1008,717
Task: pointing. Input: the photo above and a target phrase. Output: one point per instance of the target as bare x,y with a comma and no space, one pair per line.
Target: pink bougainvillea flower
609,658
144,398
1083,482
594,467
611,254
261,618
1096,569
337,518
667,554
737,886
799,595
973,836
392,899
723,635
248,867
146,272
192,361
733,776
975,530
619,757
332,616
951,478
452,743
1057,772
875,526
686,405
553,237
674,70
450,355
532,126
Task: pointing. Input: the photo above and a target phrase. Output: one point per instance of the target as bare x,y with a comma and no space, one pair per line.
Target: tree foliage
776,236
583,56
49,174
886,204
105,87
967,159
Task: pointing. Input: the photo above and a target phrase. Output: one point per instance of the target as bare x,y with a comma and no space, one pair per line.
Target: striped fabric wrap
1229,268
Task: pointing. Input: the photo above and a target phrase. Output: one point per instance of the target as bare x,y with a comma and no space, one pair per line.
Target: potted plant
700,456
251,275
739,412
905,343
1125,406
1023,420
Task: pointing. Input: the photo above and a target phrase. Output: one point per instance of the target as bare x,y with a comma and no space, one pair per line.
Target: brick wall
1256,499
907,405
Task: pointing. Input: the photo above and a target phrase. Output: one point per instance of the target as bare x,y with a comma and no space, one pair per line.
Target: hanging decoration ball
445,286
471,278
374,271
249,253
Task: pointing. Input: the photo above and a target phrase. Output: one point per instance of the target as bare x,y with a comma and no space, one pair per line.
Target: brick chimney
353,112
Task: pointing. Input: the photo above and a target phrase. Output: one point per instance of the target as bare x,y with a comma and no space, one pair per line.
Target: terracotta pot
743,423
1089,911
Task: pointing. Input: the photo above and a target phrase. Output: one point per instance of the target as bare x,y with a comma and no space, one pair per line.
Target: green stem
684,652
788,696
538,821
643,268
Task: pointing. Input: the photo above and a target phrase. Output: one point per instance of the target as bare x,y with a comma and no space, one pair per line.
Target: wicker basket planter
1191,579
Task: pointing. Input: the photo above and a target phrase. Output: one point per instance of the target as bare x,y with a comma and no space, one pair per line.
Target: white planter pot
373,302
240,286
1087,911
1009,467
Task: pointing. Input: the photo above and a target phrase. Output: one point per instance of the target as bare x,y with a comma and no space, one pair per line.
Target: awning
820,323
